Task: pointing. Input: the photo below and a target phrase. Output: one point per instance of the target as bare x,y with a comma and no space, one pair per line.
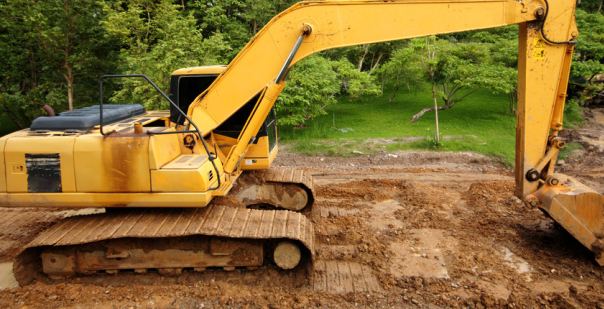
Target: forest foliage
54,51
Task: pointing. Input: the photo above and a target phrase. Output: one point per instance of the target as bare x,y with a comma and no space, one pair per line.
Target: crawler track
284,188
86,233
289,175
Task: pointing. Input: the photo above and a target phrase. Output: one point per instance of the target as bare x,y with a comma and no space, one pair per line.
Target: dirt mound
366,189
495,196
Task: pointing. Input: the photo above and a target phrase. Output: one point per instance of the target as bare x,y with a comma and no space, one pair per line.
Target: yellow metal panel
259,149
184,177
338,24
257,156
163,149
2,166
112,164
16,147
178,181
259,163
86,200
249,164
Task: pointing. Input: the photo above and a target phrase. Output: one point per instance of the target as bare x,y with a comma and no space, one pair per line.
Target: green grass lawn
479,123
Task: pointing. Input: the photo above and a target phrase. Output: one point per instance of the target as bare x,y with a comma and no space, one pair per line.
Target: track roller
287,255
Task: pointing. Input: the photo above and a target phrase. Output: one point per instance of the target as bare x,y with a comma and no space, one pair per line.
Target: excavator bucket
578,209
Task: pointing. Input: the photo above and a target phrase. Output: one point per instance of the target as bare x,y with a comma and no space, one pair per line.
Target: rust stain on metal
123,156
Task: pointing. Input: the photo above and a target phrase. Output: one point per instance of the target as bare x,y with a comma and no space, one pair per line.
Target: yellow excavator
193,188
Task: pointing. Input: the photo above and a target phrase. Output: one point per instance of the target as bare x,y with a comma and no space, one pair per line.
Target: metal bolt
553,181
540,13
307,29
558,142
532,175
561,144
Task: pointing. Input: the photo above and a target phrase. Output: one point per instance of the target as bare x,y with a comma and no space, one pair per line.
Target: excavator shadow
552,244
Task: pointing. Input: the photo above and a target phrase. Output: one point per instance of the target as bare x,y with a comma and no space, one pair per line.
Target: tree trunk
512,102
254,27
393,95
437,135
68,75
376,63
395,90
422,112
362,59
69,80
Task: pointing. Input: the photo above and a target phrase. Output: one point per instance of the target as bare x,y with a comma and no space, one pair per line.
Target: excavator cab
188,83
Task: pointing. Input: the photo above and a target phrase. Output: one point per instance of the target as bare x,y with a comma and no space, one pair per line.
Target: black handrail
211,156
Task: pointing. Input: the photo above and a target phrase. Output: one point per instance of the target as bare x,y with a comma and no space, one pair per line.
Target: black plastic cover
88,117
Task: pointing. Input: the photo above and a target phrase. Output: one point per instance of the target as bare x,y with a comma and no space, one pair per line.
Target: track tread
215,220
287,175
340,277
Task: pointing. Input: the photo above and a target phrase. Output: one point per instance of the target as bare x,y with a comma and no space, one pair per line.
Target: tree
592,6
312,85
157,38
588,62
236,20
224,17
404,69
53,52
430,60
459,69
354,83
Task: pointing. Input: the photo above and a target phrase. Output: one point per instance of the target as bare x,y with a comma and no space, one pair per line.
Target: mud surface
587,164
410,229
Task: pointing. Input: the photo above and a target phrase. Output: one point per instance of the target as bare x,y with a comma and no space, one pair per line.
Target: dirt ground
408,229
